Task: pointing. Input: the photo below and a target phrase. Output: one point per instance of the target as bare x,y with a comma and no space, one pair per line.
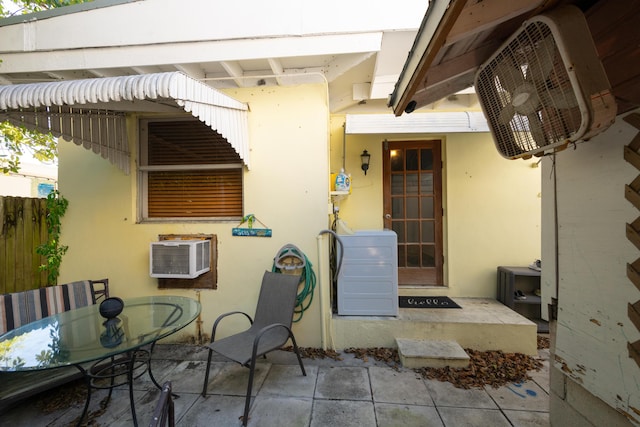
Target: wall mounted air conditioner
179,259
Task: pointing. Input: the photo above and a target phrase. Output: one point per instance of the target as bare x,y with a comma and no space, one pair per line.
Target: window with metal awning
91,112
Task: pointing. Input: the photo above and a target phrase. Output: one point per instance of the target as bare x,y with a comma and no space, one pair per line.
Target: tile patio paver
347,392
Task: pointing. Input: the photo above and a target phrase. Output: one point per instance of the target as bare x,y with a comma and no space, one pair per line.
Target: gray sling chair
164,412
270,329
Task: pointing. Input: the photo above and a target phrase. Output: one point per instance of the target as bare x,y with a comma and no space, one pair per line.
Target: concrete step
482,324
431,354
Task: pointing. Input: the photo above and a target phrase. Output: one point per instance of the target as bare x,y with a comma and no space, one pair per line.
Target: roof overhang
91,112
435,26
454,39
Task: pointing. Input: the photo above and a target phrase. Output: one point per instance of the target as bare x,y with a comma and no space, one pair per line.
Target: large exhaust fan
545,87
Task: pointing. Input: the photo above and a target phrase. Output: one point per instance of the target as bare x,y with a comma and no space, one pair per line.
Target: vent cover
181,259
545,87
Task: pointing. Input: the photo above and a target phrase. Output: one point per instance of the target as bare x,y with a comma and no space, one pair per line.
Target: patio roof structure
357,53
457,36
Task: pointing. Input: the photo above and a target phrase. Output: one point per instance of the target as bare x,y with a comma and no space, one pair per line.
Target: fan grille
527,95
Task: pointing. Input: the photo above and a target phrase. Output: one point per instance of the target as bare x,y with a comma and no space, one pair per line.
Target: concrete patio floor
350,392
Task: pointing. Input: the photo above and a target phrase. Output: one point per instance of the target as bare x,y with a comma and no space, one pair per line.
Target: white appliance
179,259
368,279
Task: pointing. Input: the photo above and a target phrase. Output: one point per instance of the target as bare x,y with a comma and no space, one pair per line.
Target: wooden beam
632,196
343,63
443,89
634,351
633,275
633,311
234,70
633,120
633,236
146,70
632,157
487,14
459,66
192,70
276,68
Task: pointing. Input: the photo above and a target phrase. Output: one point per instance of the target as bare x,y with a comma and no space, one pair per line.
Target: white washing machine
368,279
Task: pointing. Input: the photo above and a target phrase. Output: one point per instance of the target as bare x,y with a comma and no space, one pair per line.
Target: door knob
387,216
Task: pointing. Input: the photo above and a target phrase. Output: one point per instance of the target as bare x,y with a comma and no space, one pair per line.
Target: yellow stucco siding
285,188
492,208
493,213
491,205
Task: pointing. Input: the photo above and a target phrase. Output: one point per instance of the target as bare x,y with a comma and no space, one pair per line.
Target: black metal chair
270,329
164,414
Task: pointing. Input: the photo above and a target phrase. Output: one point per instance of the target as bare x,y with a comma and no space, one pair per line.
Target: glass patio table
77,337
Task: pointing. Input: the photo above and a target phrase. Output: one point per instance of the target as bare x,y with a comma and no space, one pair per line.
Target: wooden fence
23,227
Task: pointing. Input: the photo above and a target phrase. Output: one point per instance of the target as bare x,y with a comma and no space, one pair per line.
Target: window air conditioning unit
179,259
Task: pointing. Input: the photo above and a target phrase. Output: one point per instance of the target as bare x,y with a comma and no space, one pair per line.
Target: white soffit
437,122
91,112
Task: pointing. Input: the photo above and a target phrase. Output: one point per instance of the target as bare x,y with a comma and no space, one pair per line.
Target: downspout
344,146
553,307
323,326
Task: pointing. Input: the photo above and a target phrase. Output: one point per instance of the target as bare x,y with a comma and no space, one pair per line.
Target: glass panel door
413,209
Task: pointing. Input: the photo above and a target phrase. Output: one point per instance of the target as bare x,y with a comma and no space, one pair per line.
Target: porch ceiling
90,112
357,48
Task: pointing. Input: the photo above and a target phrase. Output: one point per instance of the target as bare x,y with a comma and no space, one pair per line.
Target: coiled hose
304,298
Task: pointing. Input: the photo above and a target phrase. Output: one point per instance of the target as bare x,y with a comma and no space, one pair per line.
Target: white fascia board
424,123
170,21
394,51
181,53
382,86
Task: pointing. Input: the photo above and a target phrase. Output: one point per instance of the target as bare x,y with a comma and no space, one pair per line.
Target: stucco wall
491,205
286,189
593,327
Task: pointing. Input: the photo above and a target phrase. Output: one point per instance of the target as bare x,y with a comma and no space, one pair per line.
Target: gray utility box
368,279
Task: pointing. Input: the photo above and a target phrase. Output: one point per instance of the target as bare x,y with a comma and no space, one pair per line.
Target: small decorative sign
249,230
427,302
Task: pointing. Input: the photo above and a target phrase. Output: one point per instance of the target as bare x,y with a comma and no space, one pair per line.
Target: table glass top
82,335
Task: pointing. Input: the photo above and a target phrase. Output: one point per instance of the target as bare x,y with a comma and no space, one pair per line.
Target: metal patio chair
270,329
163,414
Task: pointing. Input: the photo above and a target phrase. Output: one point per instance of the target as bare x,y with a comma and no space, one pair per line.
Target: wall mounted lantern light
364,158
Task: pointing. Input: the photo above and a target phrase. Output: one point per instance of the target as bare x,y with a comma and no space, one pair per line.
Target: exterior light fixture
364,158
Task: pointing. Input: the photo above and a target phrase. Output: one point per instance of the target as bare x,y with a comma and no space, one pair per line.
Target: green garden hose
288,259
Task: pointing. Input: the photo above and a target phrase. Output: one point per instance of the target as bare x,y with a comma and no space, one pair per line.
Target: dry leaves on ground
543,342
381,354
492,368
315,353
74,393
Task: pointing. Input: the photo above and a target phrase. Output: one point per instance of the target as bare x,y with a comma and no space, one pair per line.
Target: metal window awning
423,123
91,112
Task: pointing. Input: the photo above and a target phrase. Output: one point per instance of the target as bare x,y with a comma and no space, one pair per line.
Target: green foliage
16,140
30,6
53,251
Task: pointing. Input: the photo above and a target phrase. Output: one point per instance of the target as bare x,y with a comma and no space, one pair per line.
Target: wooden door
413,208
